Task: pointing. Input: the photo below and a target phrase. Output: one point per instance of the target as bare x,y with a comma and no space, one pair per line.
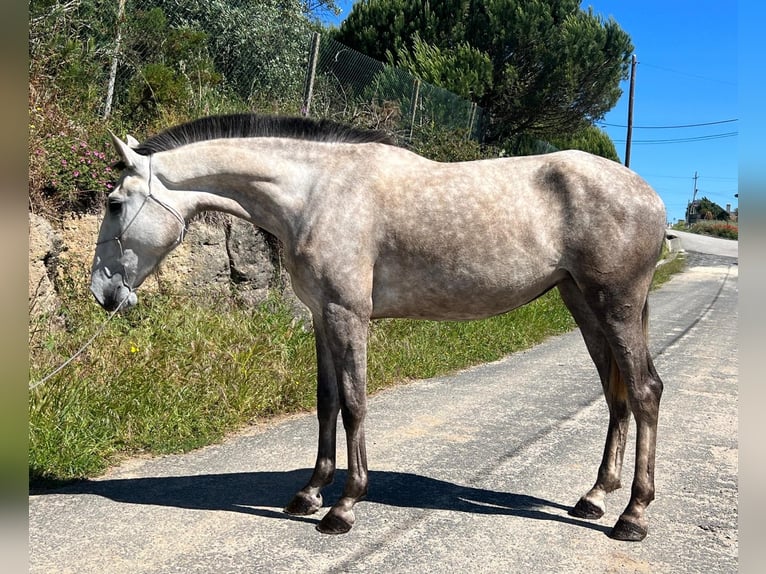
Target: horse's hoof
628,531
333,523
586,509
304,504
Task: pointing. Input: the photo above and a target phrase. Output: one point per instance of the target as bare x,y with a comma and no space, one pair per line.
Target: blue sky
686,74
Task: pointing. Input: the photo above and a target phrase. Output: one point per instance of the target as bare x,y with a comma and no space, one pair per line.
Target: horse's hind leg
644,393
592,505
623,319
309,499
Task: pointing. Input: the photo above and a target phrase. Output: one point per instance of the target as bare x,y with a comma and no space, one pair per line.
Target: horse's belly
438,295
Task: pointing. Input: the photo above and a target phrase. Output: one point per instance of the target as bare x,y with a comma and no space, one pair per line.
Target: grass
175,374
664,272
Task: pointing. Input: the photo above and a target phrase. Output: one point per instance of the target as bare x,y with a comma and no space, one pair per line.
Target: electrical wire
670,127
683,140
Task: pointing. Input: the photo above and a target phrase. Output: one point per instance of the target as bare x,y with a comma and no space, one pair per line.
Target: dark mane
256,125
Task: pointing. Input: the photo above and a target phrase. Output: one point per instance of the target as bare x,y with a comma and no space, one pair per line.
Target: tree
591,139
317,8
711,210
462,69
257,46
550,66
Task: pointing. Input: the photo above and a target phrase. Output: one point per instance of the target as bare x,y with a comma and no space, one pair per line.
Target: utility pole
691,204
629,138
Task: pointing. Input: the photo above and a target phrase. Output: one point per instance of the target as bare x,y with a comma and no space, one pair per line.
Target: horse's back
524,209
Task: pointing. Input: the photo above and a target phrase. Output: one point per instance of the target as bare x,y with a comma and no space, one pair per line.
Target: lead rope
81,349
117,238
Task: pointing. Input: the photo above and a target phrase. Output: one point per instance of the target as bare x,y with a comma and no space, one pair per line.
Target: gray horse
373,230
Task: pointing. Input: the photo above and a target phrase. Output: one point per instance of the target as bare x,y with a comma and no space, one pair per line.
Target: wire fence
135,57
344,84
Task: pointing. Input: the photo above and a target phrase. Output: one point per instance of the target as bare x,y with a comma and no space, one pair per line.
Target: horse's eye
114,206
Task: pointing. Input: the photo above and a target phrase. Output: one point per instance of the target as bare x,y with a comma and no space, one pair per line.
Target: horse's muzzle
120,298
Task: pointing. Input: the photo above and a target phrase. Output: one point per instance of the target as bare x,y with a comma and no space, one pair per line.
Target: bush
440,144
725,230
69,163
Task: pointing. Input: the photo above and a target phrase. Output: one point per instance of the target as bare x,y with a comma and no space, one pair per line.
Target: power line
671,127
683,140
706,177
730,83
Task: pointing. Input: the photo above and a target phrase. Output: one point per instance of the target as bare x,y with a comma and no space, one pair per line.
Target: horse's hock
227,258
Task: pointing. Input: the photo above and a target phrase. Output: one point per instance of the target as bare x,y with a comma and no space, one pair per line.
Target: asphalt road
471,472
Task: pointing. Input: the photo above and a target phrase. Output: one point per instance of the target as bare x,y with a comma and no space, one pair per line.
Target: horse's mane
256,125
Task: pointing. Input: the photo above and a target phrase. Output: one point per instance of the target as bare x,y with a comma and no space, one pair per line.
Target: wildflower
133,347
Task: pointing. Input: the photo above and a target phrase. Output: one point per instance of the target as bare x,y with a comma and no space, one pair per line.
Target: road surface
470,472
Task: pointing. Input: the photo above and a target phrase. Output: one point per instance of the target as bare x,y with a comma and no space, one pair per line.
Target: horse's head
140,227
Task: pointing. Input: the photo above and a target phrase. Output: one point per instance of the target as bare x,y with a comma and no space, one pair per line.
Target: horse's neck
254,182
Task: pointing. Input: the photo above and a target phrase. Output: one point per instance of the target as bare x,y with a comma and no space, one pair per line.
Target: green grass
175,373
665,271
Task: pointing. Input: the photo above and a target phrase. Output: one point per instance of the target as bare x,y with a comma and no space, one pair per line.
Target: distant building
693,212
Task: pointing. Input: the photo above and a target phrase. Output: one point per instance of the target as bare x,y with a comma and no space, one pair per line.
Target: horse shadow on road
258,493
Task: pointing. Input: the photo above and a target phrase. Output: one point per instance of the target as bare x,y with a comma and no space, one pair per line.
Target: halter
170,208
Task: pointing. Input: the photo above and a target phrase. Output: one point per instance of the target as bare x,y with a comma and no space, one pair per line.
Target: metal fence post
115,58
416,95
311,71
471,118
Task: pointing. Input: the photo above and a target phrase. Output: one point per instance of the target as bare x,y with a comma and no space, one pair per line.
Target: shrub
725,230
68,170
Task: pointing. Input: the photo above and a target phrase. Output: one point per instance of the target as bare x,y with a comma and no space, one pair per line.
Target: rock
199,267
44,249
253,261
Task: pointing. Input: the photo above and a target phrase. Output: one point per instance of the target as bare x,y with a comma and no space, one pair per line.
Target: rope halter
173,211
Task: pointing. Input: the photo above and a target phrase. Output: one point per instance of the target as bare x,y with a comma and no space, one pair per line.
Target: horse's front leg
347,337
309,499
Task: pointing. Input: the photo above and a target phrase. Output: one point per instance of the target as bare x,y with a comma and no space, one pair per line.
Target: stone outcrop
44,248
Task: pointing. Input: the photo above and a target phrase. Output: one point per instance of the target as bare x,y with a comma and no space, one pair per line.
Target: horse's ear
129,157
132,142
